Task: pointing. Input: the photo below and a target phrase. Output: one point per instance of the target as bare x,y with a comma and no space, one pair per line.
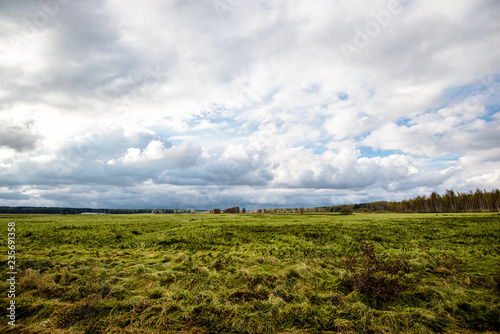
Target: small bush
379,279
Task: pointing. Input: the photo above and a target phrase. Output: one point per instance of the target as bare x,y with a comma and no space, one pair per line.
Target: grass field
274,273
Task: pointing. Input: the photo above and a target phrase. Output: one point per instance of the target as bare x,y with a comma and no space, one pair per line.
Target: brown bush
377,278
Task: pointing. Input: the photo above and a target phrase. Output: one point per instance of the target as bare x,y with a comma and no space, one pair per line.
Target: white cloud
348,124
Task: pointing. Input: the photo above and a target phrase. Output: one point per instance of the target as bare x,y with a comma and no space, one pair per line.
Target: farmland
255,273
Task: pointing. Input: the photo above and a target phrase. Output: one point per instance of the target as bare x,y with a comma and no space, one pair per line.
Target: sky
198,104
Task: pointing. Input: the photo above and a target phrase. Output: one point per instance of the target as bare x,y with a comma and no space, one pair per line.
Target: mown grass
274,273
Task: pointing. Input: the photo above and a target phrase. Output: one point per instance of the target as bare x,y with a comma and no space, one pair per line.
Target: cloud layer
199,104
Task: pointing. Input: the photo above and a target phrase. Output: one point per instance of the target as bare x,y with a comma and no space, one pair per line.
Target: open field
274,273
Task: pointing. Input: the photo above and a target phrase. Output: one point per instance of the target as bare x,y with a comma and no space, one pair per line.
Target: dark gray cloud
19,137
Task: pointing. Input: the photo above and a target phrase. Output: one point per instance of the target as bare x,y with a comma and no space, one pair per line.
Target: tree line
235,209
451,201
66,211
79,211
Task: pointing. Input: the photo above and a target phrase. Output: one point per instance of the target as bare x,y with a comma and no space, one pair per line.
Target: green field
250,273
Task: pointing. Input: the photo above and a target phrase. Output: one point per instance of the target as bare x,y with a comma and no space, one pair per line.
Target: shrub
379,279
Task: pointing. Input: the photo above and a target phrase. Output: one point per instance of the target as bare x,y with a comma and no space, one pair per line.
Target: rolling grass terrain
273,273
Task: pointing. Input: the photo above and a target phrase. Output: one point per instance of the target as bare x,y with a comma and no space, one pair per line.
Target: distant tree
495,200
235,209
451,201
480,200
436,202
346,211
217,211
302,210
244,210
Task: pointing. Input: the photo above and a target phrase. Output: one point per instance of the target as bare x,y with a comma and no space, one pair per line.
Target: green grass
273,273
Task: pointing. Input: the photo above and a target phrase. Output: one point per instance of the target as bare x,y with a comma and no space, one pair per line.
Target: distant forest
451,201
79,211
478,201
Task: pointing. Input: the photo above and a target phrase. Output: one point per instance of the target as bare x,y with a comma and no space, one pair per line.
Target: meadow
254,273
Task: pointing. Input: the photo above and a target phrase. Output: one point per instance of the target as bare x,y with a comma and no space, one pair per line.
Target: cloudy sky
199,104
